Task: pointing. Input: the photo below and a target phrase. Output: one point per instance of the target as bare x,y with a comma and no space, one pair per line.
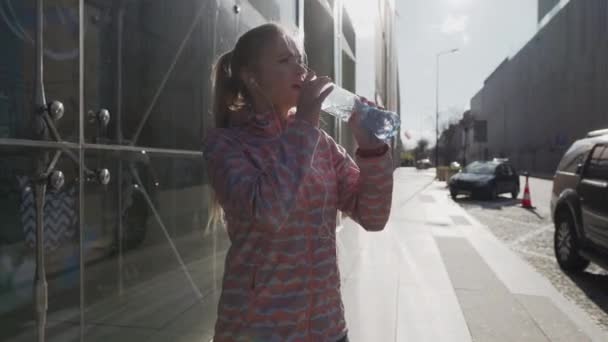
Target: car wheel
453,193
492,192
515,193
566,245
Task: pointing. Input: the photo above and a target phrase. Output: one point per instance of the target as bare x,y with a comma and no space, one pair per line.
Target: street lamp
439,54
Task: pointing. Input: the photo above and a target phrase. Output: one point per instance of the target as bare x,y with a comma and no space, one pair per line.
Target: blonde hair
230,94
229,91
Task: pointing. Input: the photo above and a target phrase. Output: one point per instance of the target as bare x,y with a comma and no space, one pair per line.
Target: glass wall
117,181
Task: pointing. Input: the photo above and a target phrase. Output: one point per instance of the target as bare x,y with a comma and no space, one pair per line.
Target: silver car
579,204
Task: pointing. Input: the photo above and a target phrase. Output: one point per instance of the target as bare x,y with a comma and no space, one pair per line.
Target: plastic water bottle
341,103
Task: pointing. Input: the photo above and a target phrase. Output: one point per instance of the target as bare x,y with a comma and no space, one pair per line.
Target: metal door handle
595,183
49,114
55,110
101,117
102,176
56,180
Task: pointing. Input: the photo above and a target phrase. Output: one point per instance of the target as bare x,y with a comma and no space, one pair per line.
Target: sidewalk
436,274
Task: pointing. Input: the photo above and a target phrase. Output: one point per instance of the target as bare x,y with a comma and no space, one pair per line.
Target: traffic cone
526,202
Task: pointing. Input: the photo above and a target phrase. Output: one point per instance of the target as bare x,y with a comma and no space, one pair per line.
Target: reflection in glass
17,61
148,63
18,241
16,66
149,258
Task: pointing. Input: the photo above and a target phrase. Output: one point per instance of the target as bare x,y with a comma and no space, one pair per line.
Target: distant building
551,93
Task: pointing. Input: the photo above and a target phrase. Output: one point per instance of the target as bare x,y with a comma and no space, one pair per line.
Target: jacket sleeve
264,194
365,188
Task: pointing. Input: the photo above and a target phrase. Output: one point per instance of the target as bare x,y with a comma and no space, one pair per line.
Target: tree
421,148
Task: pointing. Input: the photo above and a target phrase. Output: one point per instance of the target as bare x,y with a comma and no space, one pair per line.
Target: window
570,165
598,165
503,170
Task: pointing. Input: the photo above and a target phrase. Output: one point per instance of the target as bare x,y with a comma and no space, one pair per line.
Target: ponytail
225,90
229,92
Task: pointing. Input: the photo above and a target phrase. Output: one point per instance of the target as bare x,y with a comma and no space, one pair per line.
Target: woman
280,181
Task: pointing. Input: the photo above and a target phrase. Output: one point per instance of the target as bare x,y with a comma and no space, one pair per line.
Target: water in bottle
341,103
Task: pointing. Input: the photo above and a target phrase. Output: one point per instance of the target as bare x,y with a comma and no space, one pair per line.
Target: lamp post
439,54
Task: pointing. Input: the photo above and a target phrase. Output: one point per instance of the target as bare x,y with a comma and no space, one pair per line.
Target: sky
485,32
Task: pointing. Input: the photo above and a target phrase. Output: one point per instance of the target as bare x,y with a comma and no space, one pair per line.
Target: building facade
545,7
103,195
551,93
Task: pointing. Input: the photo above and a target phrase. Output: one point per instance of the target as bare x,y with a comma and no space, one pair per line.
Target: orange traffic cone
526,202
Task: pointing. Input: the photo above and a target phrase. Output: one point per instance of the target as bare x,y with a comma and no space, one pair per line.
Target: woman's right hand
312,96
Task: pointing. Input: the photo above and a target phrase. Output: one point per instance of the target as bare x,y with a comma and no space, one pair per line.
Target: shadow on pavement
594,285
533,211
496,204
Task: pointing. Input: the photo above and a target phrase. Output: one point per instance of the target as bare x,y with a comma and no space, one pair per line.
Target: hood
473,177
269,124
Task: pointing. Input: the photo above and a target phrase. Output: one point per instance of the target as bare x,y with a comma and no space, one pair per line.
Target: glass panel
289,13
61,62
282,11
149,63
226,25
151,261
18,211
16,67
594,169
603,165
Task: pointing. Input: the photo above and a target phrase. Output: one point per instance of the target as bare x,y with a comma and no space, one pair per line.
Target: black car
485,178
579,204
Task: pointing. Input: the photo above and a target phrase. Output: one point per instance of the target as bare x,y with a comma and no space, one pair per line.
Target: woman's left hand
364,138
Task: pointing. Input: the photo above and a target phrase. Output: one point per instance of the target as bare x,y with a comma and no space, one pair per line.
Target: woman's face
278,75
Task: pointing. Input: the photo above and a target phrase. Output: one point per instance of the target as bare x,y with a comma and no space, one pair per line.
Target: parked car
579,204
485,178
423,164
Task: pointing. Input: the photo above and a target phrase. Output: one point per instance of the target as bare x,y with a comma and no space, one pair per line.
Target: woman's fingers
325,94
310,75
320,87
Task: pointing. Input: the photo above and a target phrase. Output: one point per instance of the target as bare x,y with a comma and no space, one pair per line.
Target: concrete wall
551,93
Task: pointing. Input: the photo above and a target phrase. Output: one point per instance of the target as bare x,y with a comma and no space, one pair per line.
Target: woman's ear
248,79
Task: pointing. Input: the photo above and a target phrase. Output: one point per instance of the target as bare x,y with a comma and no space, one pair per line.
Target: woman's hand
312,96
365,139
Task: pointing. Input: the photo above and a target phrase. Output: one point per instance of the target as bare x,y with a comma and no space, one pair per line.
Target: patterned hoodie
280,185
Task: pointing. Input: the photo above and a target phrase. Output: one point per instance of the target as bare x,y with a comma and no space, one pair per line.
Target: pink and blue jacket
280,186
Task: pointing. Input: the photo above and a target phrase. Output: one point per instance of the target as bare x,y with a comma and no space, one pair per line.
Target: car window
480,168
577,155
598,164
